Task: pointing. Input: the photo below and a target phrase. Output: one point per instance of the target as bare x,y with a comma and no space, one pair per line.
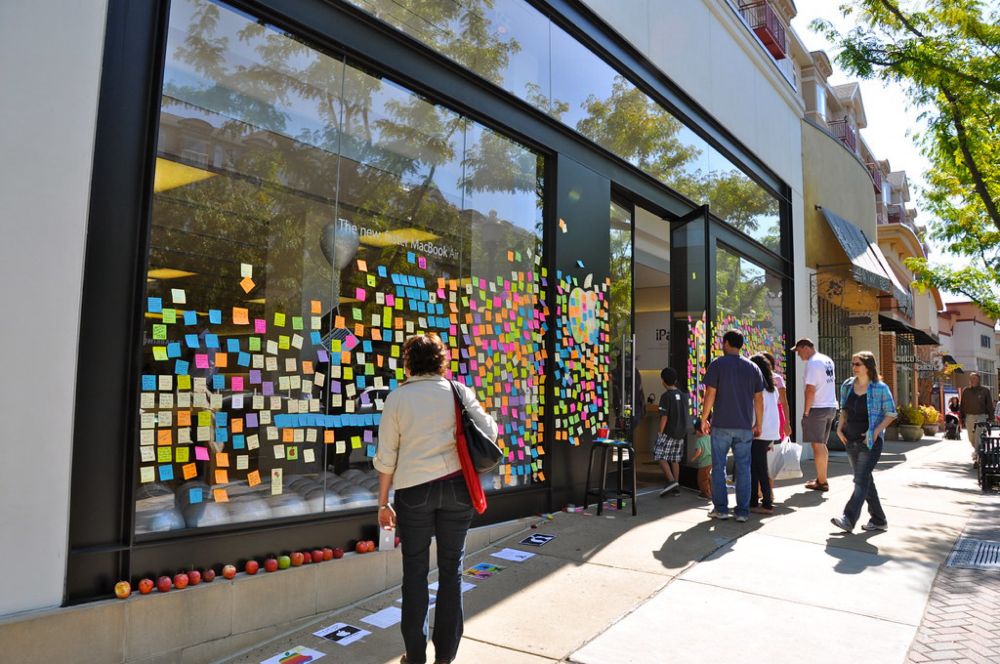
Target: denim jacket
880,404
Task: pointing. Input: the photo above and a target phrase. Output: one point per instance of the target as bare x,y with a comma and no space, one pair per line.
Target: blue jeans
863,462
740,441
442,509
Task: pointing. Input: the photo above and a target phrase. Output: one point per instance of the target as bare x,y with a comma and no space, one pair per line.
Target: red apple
181,581
327,553
194,577
307,557
145,586
338,553
360,547
163,584
251,567
317,556
370,546
297,558
209,575
123,589
229,571
271,565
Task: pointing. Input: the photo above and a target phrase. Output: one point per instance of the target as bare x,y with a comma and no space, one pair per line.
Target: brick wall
887,359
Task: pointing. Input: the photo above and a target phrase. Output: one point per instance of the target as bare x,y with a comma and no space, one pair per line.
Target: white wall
51,55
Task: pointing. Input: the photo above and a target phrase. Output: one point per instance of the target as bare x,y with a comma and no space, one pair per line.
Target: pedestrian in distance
734,393
761,494
417,455
819,407
702,458
673,430
975,406
783,409
866,409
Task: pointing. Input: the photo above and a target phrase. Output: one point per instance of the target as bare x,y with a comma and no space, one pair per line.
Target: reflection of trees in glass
620,292
743,291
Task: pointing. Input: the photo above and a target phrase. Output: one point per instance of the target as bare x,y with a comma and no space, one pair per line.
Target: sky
891,119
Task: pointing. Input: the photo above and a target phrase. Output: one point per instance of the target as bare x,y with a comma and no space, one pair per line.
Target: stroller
951,426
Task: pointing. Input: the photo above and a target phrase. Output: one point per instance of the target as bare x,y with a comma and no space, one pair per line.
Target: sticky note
178,296
188,471
164,455
220,495
246,270
362,266
154,305
201,453
221,476
247,284
214,316
279,319
147,474
195,495
253,478
160,353
222,459
315,307
241,316
166,473
190,318
181,454
159,332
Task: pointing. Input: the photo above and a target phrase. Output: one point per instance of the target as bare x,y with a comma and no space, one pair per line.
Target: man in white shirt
819,407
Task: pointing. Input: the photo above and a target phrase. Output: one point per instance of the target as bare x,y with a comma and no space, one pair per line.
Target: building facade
258,201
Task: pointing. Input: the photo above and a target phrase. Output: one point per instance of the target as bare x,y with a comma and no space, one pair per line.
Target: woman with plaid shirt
866,409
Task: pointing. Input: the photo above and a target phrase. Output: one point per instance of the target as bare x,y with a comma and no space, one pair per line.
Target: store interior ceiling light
398,236
168,273
171,174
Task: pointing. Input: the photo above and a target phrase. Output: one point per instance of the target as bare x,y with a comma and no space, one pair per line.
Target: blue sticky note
243,359
221,435
410,258
166,473
154,305
181,367
195,495
221,419
214,316
239,441
366,346
218,382
173,350
232,345
315,338
190,317
382,271
211,341
191,340
579,263
370,450
148,382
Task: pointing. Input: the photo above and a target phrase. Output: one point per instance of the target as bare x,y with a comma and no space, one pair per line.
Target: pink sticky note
390,299
259,325
237,383
201,453
422,263
360,294
201,360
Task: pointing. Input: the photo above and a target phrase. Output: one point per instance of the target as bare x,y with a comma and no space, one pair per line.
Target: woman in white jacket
417,456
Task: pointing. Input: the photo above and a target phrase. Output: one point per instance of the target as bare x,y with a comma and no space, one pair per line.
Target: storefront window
515,46
748,299
307,217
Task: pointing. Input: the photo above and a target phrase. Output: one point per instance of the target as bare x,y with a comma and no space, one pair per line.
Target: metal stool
615,448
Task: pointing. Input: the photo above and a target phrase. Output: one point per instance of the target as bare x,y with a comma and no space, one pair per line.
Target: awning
865,265
899,291
920,338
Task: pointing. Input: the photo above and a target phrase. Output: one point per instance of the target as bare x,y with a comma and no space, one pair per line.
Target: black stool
615,448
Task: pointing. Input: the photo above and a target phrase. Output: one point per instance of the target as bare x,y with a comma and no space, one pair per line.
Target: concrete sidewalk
671,585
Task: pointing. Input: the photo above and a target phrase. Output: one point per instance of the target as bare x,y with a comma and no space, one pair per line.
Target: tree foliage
946,54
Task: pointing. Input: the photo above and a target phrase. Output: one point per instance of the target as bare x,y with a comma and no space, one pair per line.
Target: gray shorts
816,426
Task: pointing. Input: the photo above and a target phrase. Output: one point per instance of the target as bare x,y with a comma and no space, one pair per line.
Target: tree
946,54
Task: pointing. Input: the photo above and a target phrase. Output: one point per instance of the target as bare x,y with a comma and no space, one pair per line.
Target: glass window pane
748,299
742,203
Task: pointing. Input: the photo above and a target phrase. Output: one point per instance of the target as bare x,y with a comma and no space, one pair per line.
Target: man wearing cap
975,407
819,407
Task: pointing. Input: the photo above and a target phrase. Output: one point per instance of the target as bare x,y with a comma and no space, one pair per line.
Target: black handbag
485,453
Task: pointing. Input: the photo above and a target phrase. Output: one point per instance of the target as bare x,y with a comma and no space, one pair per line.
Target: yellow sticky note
279,319
164,455
284,342
160,353
181,454
184,382
204,418
355,442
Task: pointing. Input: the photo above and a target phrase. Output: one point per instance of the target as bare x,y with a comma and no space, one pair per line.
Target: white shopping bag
783,460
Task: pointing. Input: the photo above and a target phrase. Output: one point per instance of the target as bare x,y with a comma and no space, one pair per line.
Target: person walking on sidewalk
761,495
417,454
819,407
784,412
733,390
976,406
702,457
674,416
866,409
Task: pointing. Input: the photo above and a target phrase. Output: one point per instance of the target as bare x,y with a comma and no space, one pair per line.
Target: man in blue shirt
735,392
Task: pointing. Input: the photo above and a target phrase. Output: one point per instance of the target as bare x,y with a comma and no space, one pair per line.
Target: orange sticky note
328,436
189,470
359,330
362,265
238,425
220,496
164,436
241,316
253,478
184,418
307,369
221,360
247,284
339,322
510,256
222,476
315,307
287,436
222,459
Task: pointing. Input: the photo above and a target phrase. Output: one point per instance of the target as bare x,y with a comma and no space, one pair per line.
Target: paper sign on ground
512,554
483,570
538,539
342,633
296,655
387,617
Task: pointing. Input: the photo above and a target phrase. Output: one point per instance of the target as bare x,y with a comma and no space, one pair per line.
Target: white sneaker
741,519
716,514
872,526
667,489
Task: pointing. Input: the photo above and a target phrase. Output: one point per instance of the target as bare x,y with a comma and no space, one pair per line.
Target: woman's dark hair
765,370
868,359
425,354
770,358
668,376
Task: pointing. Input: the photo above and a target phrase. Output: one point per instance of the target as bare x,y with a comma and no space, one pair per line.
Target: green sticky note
181,455
335,346
356,313
204,418
254,343
297,322
160,353
184,382
164,455
159,332
371,280
369,369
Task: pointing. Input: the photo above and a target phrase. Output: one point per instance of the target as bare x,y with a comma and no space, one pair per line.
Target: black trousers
759,479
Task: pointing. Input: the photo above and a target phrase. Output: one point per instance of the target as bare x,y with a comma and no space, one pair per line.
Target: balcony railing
843,130
876,173
767,25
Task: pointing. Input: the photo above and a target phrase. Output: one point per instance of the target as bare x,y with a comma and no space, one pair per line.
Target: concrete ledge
213,619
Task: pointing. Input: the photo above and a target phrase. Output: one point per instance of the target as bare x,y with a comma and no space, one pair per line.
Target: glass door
690,304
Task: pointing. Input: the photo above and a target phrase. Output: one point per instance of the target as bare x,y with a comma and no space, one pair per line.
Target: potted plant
931,416
892,431
911,421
